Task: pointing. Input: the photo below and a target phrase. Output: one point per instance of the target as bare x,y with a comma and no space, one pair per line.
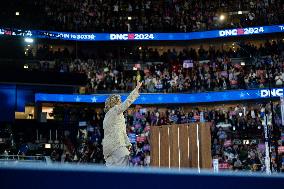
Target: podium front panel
164,146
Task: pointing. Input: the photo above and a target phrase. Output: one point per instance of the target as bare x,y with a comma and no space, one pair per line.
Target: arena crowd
141,16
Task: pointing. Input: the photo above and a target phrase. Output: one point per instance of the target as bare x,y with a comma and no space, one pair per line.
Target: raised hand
139,84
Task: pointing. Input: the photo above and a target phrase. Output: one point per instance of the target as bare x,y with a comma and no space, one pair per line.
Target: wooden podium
182,145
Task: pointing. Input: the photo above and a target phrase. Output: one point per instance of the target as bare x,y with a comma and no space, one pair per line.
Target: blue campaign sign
143,36
233,95
132,138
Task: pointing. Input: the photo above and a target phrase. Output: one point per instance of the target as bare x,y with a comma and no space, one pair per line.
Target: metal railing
21,158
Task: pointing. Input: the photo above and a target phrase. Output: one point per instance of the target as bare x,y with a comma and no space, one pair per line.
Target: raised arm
130,99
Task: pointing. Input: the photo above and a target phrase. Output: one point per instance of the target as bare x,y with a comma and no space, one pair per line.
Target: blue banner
142,36
233,95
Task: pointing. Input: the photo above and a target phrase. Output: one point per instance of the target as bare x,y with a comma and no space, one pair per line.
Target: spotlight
240,12
129,18
26,66
243,63
222,17
29,40
140,48
245,141
17,13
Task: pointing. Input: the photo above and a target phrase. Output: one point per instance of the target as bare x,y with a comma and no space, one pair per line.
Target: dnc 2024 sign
142,36
273,92
241,31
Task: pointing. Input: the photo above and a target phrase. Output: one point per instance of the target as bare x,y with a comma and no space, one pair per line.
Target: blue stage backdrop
233,95
143,36
15,97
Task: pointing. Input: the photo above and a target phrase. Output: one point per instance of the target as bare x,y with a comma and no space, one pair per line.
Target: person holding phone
116,144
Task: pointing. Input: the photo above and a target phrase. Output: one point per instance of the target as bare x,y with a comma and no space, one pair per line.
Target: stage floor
43,176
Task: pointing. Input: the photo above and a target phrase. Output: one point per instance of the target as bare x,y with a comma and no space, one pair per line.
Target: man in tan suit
116,144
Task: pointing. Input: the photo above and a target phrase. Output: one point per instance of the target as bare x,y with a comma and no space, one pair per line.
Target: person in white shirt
116,144
278,80
147,159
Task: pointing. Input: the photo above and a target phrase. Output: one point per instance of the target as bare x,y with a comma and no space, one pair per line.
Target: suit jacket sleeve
130,99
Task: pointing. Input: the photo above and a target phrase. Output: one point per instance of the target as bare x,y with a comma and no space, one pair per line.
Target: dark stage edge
43,176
